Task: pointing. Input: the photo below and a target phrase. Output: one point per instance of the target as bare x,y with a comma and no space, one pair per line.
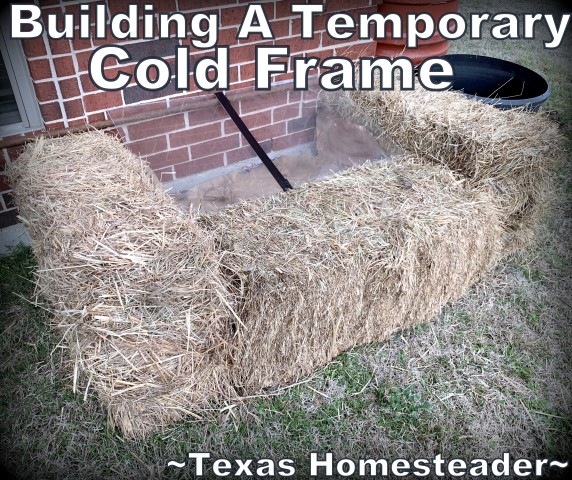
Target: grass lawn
491,374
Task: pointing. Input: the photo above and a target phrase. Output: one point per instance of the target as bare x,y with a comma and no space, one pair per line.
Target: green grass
490,374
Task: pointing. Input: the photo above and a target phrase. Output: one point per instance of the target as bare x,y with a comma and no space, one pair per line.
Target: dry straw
133,281
349,260
167,315
509,152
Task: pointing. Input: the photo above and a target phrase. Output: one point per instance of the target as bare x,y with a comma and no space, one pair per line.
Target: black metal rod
285,184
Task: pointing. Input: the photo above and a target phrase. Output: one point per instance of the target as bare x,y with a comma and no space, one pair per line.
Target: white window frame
21,82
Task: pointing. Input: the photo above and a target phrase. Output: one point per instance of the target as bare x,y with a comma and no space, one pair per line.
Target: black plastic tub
498,82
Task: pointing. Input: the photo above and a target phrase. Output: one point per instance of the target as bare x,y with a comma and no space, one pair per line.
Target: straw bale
168,315
509,152
347,261
134,283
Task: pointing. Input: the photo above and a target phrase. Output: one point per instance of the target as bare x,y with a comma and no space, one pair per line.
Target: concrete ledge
12,236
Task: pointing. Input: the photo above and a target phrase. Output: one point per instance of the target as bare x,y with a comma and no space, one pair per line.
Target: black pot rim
504,102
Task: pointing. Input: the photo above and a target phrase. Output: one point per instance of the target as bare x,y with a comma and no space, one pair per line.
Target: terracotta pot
433,46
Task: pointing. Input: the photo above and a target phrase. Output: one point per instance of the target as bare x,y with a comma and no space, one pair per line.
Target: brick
135,94
311,94
245,53
75,10
234,15
202,115
51,111
328,41
124,112
286,112
74,109
227,36
243,85
233,76
81,43
218,145
60,46
293,140
170,157
283,8
296,27
280,28
268,132
195,4
247,72
39,69
96,117
157,126
165,174
301,123
195,135
283,77
344,5
148,146
240,154
298,44
322,55
64,66
306,120
252,121
201,165
76,122
69,88
122,6
57,125
264,101
45,91
164,6
101,101
34,47
294,96
86,84
83,61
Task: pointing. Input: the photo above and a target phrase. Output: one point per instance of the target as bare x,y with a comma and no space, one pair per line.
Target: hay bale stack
134,283
509,152
347,261
166,314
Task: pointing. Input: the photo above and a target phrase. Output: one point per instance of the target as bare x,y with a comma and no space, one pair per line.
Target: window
19,111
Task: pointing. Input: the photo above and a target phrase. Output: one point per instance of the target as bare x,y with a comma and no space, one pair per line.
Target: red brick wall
189,142
204,138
